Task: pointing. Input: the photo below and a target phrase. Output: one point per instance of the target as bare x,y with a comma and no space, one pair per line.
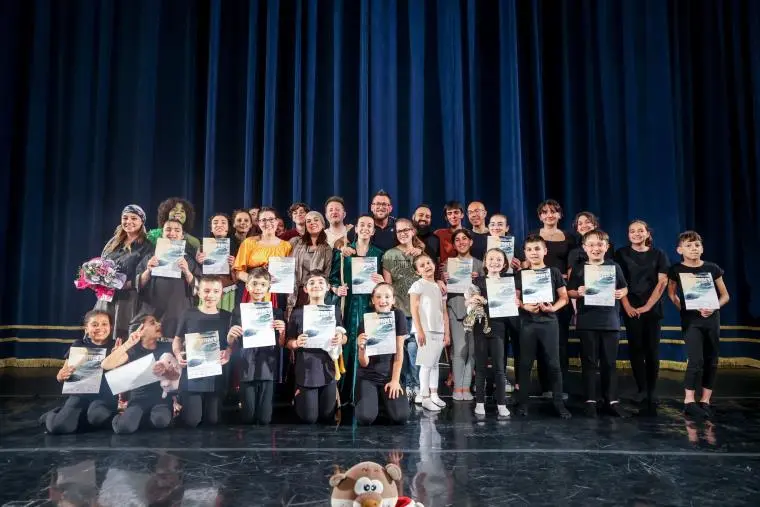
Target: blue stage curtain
630,109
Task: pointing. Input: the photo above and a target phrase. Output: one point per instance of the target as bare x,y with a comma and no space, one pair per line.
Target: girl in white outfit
431,326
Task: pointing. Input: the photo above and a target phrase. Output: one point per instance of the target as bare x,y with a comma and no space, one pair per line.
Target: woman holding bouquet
126,248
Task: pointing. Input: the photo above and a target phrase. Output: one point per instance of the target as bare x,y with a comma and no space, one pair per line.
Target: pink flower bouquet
101,276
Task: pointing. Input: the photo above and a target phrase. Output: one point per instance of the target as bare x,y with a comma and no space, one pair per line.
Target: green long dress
356,306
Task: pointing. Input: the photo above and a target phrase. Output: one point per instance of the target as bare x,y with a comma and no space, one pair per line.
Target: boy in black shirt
258,366
701,328
540,325
148,405
598,327
201,397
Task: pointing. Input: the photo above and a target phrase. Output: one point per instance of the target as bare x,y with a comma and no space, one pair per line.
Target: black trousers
493,346
79,413
512,336
540,339
256,401
643,336
702,352
599,354
316,403
564,317
197,407
143,415
369,395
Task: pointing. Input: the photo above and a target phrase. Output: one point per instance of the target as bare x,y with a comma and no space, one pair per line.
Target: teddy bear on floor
368,485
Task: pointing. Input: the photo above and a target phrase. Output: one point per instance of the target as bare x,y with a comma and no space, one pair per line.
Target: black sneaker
707,409
615,410
561,410
693,411
522,410
590,409
639,397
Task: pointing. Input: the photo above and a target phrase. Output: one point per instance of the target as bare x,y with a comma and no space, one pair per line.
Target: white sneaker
418,398
503,410
438,401
457,396
467,396
547,395
428,404
480,409
508,388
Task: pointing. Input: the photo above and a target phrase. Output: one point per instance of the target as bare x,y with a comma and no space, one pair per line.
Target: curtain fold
632,109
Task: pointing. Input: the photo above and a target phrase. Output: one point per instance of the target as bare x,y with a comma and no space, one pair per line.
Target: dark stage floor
448,459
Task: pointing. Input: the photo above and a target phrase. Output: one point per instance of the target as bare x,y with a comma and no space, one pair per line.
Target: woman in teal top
356,305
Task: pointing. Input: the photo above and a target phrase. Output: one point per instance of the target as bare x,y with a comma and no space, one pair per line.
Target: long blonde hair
120,238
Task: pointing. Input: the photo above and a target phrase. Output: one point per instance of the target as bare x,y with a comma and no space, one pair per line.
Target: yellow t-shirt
253,254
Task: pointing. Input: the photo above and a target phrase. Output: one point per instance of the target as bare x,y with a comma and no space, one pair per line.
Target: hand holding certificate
169,252
502,298
257,323
380,329
460,275
203,354
699,291
599,281
88,374
537,286
362,269
217,252
282,271
319,326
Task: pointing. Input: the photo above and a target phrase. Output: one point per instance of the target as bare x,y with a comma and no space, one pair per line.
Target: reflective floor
452,458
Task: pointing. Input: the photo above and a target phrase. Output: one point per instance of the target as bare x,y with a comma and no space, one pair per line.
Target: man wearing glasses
385,224
476,214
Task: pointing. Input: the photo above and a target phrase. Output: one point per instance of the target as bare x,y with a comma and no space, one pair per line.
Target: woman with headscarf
126,248
181,210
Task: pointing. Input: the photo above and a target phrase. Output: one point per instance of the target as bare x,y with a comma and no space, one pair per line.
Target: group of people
434,318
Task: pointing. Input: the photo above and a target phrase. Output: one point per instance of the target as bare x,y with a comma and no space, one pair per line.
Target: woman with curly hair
126,248
181,210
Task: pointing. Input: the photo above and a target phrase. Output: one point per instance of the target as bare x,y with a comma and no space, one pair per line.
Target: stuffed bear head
366,485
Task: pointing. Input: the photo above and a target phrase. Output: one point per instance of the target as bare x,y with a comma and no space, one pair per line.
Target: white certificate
501,297
169,253
88,374
318,326
132,375
380,329
460,275
217,252
699,291
257,320
536,286
362,269
599,281
203,354
282,271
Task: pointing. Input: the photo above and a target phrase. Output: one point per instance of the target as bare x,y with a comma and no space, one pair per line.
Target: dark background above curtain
629,109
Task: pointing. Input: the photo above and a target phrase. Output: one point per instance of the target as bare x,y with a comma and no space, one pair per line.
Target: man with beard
335,212
421,221
385,224
476,214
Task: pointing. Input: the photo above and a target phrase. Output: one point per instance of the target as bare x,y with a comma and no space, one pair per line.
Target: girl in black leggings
85,411
491,342
378,376
646,271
